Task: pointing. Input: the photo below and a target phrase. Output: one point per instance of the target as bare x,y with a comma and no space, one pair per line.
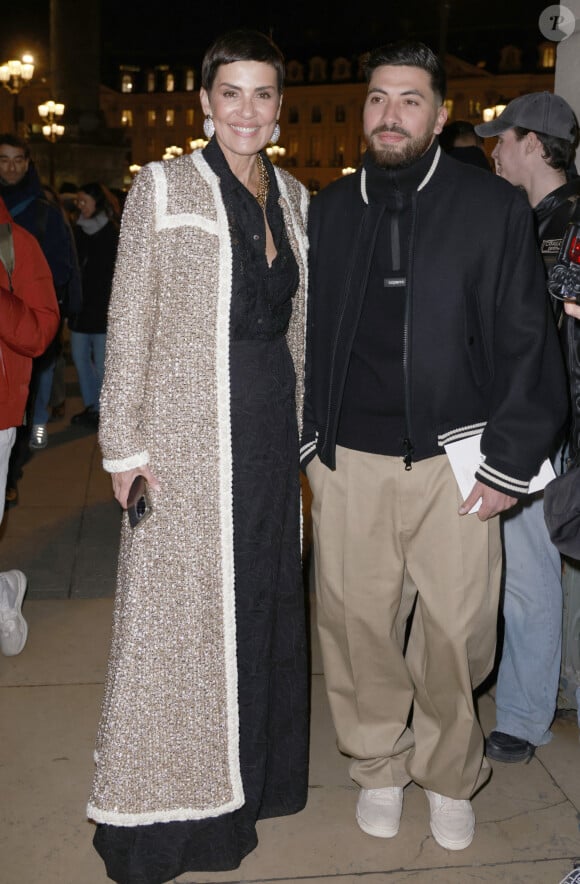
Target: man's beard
399,156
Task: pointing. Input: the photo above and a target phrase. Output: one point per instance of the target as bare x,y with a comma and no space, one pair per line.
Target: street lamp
197,143
51,111
172,151
14,76
275,152
490,113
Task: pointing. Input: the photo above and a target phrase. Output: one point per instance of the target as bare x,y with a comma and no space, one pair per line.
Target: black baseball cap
541,112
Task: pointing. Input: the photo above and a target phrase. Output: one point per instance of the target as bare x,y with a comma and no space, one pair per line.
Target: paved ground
63,534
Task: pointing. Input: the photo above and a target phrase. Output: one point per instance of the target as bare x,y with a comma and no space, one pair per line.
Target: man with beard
428,325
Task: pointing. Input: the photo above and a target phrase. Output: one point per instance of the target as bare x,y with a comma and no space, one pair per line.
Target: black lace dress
270,604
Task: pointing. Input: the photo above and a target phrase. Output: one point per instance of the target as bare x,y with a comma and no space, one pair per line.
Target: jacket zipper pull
408,456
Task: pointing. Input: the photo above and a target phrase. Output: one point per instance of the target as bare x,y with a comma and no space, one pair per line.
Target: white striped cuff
507,483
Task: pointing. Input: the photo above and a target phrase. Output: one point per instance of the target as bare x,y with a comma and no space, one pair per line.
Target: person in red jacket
29,318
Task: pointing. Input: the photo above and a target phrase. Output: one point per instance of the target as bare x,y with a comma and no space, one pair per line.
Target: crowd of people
390,337
78,234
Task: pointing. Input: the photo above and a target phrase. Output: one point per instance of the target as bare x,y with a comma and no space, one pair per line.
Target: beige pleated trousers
385,538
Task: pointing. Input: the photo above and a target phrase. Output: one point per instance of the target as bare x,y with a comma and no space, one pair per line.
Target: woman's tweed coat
167,746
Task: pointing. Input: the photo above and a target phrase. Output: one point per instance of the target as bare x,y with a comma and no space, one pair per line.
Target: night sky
180,30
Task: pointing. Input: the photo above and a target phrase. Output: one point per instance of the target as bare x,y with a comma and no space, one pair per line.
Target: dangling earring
208,127
275,134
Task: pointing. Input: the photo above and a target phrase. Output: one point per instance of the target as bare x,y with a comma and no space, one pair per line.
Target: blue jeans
88,353
43,392
529,671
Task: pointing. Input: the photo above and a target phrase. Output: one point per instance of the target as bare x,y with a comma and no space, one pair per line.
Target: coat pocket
476,343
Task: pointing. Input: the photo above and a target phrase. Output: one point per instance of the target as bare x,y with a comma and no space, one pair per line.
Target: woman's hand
122,482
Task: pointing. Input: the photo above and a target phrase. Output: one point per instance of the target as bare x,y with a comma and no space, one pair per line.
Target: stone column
568,63
75,60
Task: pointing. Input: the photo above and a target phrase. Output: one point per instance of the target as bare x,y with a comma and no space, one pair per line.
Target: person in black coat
429,333
96,235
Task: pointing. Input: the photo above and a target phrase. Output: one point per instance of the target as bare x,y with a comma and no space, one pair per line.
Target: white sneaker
378,811
452,821
13,626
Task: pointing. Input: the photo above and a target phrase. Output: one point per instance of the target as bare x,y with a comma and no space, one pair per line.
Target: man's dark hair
14,141
412,54
558,152
242,44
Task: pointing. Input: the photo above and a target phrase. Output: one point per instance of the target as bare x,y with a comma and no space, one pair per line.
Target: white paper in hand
465,457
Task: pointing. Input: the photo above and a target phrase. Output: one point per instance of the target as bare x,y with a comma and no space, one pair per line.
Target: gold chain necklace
263,182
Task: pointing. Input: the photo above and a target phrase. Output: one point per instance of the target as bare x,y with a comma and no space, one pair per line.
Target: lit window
126,118
126,83
169,82
169,117
338,152
294,72
189,116
189,80
547,55
293,152
151,117
474,108
315,151
317,70
510,59
341,69
150,81
448,103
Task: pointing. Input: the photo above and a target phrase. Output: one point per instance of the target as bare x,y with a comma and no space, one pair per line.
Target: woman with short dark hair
204,722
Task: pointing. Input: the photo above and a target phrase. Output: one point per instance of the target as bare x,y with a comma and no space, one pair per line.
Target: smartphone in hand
138,503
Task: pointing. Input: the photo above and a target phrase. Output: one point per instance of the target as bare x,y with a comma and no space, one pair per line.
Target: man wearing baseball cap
537,134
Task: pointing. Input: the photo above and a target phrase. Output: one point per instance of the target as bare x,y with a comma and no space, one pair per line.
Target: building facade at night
153,109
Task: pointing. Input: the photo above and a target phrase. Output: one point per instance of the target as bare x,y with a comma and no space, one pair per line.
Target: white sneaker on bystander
13,626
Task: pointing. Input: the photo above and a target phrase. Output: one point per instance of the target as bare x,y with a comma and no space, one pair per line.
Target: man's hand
572,309
493,502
